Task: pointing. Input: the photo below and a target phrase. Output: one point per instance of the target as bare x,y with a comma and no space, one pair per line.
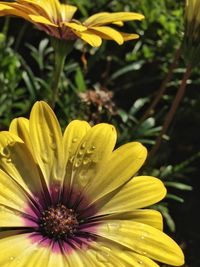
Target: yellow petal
42,20
73,135
47,143
13,218
102,254
17,161
67,12
108,33
90,38
11,194
5,7
143,239
13,9
75,26
93,151
123,163
95,16
41,8
146,216
135,194
21,250
13,203
129,36
20,127
78,258
103,251
106,18
118,23
136,259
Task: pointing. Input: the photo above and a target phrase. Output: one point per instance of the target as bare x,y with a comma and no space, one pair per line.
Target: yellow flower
191,47
57,20
70,200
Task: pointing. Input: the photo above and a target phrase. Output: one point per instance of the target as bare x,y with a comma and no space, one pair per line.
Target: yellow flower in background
56,19
70,200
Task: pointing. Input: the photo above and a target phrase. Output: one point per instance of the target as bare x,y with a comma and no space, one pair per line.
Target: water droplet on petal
83,145
84,179
74,140
113,227
53,146
45,159
89,152
86,161
5,152
77,164
80,153
104,254
12,143
71,159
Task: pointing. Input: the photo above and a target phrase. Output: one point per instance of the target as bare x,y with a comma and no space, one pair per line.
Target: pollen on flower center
58,222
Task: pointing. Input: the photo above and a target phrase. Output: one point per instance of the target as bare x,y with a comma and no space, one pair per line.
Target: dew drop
5,152
140,262
9,160
104,254
89,152
80,153
77,164
11,258
113,227
86,161
74,140
84,179
53,146
12,143
83,145
101,257
45,159
72,159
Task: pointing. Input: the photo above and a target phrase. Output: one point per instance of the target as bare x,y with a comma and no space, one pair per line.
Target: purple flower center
58,222
61,219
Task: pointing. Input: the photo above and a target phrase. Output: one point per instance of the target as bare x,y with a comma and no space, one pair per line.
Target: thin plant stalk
20,36
163,86
173,109
6,26
58,68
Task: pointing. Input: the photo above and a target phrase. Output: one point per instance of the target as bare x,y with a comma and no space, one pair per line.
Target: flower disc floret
58,222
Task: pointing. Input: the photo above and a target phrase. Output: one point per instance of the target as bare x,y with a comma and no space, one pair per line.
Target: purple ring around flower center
61,223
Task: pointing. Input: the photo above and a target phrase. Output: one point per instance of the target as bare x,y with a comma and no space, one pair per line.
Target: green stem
6,26
62,49
20,36
58,68
173,109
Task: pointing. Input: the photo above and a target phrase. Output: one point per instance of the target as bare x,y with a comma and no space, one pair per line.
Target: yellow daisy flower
70,200
56,19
